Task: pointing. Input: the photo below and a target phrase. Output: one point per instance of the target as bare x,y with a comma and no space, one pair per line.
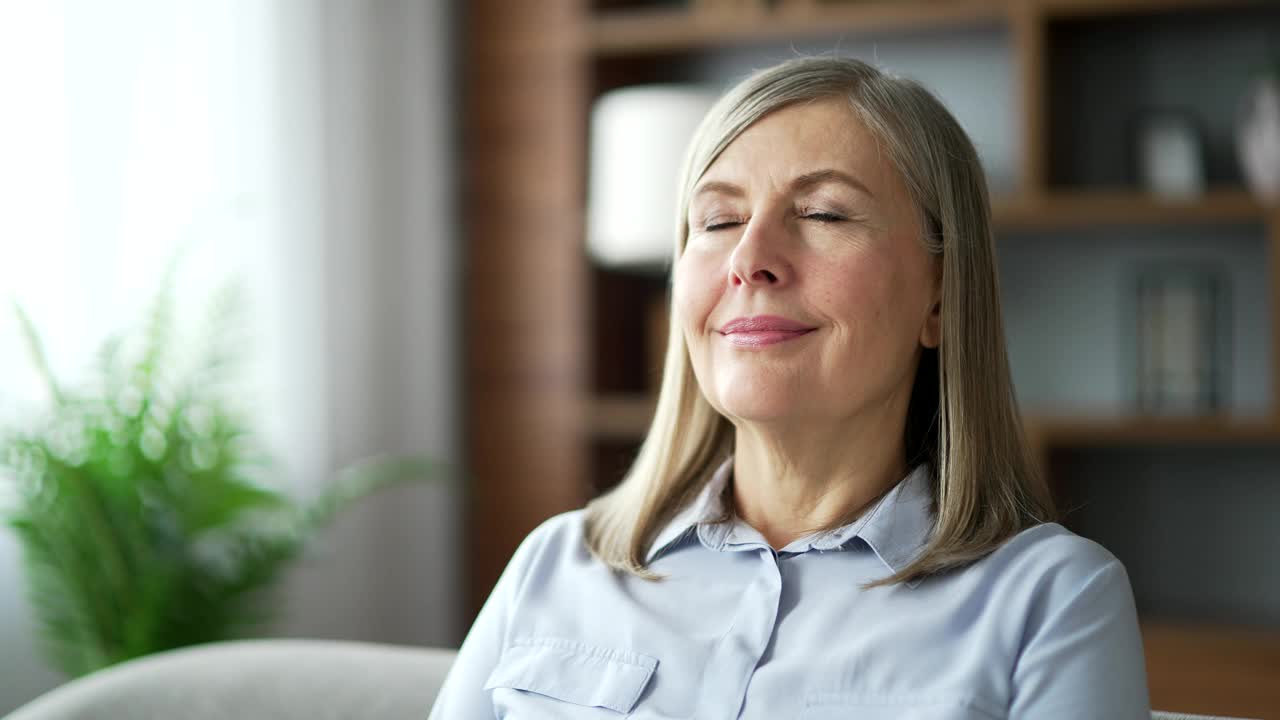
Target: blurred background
450,222
306,152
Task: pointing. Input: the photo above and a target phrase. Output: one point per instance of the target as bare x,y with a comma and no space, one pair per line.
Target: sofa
268,679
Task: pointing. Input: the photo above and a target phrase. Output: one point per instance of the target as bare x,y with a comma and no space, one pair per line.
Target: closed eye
823,217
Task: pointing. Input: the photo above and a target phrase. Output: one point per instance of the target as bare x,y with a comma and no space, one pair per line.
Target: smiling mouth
763,338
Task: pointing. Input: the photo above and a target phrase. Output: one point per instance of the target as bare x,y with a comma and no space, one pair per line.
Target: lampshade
639,135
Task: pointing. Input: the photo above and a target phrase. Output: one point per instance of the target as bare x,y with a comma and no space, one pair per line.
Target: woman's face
803,225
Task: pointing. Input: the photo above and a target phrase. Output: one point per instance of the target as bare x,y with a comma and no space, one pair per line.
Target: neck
788,484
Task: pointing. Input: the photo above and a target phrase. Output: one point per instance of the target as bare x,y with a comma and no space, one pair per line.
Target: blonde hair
962,419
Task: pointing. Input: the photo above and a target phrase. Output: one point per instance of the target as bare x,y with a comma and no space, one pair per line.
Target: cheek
877,300
858,291
694,291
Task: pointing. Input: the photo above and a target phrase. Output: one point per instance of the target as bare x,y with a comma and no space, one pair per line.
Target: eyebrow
802,182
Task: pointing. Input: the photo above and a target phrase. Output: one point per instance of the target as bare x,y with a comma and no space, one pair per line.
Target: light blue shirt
1042,628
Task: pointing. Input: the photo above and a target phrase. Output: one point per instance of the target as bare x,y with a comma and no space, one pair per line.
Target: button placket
737,654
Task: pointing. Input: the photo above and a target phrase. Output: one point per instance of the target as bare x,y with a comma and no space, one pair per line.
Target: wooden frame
523,94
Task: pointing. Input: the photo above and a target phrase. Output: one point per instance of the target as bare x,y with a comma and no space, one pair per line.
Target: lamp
639,135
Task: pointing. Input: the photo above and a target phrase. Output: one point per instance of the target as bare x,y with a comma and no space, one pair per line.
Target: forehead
798,139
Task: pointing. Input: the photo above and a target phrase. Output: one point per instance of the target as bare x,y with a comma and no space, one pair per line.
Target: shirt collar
896,528
705,507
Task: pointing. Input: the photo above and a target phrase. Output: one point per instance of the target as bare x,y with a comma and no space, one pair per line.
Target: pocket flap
574,672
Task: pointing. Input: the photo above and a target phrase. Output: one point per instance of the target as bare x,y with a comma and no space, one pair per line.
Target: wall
377,182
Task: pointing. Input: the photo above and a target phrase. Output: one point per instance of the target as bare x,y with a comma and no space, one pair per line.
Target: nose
758,259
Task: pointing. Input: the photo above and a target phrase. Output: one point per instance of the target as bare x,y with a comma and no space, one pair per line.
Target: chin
743,404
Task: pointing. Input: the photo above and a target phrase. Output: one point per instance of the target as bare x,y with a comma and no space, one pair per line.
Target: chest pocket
843,707
547,677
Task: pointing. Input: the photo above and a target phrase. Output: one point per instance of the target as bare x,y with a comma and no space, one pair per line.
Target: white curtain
304,147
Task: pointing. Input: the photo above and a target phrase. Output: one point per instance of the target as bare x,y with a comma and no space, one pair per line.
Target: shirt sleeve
1084,657
462,696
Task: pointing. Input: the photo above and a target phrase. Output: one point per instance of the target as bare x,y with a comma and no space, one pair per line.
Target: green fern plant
138,506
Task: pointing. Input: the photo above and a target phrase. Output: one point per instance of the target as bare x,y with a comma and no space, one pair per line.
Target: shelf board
1121,207
647,31
638,32
1067,432
627,417
1083,9
619,417
1205,668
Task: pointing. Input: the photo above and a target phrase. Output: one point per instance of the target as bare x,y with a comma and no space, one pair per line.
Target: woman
834,514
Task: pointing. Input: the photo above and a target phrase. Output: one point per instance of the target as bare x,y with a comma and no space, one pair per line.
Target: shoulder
1075,628
1047,565
1051,547
552,565
555,539
557,531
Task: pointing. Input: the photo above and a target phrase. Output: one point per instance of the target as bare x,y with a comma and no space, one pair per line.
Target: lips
762,330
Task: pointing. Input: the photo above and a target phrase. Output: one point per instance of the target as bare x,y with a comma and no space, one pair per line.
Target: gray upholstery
276,679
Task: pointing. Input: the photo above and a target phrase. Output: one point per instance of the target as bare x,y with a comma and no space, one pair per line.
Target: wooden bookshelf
524,367
1209,669
1065,209
1067,432
537,415
631,32
622,416
1112,8
618,417
660,30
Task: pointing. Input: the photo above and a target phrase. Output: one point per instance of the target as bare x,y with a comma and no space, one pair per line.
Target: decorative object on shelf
639,135
1183,338
136,502
1170,153
1258,136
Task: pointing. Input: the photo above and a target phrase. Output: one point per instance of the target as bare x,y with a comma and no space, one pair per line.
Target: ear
931,332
